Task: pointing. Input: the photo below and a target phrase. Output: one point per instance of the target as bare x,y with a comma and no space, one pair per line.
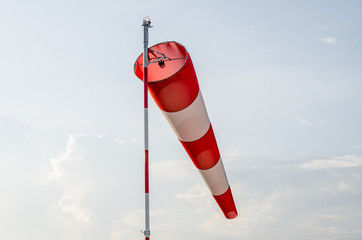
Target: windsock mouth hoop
165,60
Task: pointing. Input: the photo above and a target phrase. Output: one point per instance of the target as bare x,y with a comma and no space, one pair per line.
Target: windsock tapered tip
231,215
227,205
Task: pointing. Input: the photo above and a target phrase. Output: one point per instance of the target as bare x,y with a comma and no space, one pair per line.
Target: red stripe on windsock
204,151
227,205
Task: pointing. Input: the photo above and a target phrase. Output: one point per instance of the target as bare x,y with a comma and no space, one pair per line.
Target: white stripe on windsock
215,178
190,123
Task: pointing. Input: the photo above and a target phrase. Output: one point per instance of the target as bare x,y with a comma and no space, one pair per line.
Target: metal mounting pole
146,25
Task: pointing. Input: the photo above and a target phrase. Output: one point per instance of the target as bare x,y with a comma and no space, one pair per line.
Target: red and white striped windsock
173,85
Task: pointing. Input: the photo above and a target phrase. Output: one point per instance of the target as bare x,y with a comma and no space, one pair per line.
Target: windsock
173,84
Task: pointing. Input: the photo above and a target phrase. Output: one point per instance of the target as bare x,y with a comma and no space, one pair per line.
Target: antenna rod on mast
146,25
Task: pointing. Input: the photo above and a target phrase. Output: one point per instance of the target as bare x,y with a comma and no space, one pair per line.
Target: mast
146,25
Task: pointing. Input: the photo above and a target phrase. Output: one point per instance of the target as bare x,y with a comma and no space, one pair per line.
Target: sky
282,85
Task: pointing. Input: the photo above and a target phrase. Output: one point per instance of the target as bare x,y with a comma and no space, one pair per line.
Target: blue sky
282,84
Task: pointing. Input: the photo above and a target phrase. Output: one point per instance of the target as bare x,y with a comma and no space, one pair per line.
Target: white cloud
70,201
199,196
328,40
252,213
304,122
340,187
231,154
128,227
57,171
71,204
336,162
94,174
329,224
249,218
173,170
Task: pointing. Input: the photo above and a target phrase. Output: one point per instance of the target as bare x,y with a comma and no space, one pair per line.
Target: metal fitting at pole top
146,25
147,22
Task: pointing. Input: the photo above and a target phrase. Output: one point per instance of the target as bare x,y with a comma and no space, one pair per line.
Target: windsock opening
165,59
171,76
